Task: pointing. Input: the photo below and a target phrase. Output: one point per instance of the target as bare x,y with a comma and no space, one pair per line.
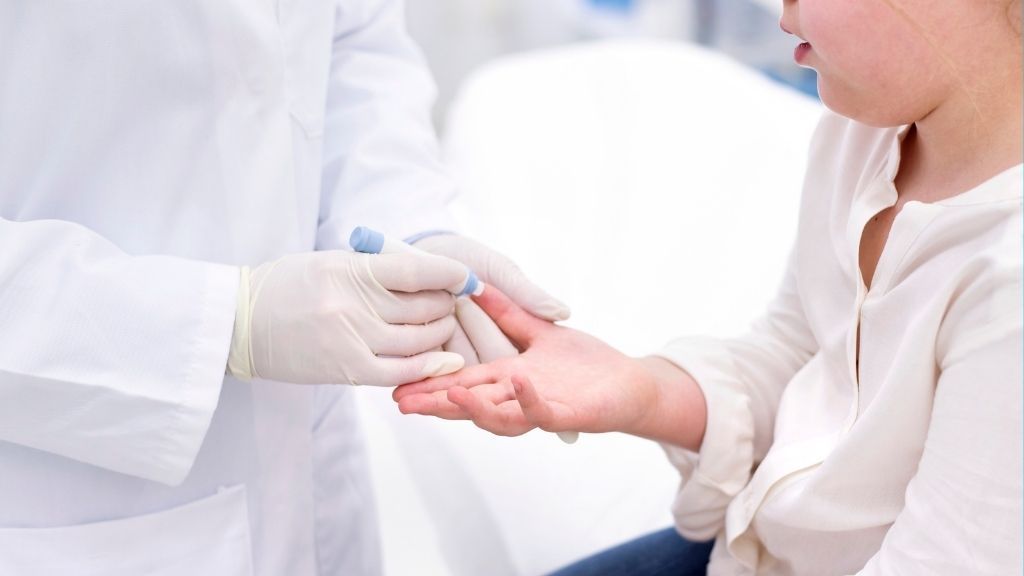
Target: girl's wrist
678,412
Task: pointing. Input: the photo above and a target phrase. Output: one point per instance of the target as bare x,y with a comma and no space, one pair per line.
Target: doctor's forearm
679,415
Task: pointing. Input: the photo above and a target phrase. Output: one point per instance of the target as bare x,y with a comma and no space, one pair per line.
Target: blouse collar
1006,185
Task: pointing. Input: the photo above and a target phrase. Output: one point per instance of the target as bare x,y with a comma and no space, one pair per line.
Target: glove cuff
240,355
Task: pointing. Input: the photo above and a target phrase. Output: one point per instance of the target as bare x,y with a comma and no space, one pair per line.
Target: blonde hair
1013,14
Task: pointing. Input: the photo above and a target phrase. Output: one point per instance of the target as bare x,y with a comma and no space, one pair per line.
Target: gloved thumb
496,269
504,275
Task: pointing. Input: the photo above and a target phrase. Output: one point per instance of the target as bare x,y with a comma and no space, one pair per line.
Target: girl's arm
564,380
710,402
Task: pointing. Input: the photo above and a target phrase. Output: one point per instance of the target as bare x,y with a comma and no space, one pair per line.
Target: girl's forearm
679,414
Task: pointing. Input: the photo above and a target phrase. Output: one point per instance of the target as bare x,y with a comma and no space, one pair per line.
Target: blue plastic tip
471,283
367,241
616,5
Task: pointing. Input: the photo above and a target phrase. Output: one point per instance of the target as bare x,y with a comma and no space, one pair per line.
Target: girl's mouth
801,52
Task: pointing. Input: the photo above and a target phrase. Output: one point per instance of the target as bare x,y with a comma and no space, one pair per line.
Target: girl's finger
535,409
504,420
432,404
518,324
467,378
496,394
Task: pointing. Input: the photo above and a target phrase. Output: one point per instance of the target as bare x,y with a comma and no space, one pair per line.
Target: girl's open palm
564,380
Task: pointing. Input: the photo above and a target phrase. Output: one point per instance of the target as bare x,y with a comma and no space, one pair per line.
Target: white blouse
912,466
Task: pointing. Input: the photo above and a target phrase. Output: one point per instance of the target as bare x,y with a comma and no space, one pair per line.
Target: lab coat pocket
209,536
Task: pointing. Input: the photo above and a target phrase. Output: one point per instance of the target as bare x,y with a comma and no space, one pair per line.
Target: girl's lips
801,52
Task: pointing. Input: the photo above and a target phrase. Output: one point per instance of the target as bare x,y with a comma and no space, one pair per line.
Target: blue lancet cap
366,240
616,5
471,284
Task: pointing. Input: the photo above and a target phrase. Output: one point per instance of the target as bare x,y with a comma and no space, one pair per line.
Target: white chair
654,187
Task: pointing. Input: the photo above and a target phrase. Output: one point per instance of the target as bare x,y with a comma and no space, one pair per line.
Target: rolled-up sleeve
742,380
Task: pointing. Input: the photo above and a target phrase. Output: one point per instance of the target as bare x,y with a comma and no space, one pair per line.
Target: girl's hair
1013,13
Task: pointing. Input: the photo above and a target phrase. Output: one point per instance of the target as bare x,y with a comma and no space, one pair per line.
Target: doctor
176,180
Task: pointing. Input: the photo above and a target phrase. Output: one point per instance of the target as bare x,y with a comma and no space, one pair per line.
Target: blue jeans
663,553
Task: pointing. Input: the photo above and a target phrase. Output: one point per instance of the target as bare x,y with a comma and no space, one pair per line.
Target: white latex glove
478,338
345,318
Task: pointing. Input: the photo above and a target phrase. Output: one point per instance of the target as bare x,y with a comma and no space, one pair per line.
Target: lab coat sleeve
106,358
381,157
742,380
962,510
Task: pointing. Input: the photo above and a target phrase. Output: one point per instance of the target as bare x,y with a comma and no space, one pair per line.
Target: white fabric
343,318
914,464
628,179
146,150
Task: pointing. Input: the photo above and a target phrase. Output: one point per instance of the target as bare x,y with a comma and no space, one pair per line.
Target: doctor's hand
565,380
477,338
345,318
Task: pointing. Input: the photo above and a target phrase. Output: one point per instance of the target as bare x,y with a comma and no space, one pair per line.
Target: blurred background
640,159
460,35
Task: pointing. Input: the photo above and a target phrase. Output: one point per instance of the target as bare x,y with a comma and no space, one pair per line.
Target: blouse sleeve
742,380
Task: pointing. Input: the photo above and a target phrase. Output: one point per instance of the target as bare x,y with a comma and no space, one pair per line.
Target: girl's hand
564,380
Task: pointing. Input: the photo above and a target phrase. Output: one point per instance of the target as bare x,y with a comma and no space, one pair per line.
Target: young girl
870,422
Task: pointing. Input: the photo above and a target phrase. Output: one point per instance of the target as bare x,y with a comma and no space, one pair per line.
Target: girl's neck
969,138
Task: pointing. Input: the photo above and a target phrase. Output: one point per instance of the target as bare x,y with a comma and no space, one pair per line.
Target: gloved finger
482,333
409,339
398,371
569,437
518,324
459,343
505,419
418,308
507,277
495,268
416,271
468,377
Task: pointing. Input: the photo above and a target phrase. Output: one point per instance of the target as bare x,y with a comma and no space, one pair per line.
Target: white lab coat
146,149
